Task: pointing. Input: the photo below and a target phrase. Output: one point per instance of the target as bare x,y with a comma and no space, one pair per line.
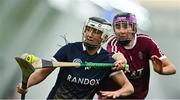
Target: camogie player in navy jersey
138,49
83,83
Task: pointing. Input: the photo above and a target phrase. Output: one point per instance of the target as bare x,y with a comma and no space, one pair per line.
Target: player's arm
120,60
163,66
35,78
126,87
38,76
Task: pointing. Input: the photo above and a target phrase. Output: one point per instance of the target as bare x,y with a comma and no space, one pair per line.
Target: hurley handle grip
100,65
24,86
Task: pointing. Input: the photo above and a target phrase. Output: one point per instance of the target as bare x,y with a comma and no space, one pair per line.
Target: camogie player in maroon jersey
138,49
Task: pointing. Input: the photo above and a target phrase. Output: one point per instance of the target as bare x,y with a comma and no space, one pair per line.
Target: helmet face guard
104,28
125,21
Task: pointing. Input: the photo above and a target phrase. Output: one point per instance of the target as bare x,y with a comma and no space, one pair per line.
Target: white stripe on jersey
115,44
116,72
104,45
143,35
134,43
162,57
112,45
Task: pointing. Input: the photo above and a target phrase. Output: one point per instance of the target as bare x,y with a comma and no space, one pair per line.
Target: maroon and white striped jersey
138,57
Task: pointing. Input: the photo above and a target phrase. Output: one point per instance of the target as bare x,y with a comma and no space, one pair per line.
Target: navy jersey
138,57
79,82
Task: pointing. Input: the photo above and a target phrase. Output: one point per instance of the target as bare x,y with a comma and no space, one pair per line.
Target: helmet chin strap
124,42
90,46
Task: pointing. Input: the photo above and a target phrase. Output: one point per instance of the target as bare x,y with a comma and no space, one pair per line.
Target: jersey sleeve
154,49
110,45
61,54
113,72
108,48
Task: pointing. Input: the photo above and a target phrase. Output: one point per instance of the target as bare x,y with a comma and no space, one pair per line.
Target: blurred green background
36,26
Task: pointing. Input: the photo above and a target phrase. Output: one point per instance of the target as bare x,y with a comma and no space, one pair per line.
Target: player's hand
119,56
157,63
109,94
118,65
20,90
120,61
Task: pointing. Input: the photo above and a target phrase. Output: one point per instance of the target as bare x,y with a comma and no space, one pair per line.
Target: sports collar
84,48
134,43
